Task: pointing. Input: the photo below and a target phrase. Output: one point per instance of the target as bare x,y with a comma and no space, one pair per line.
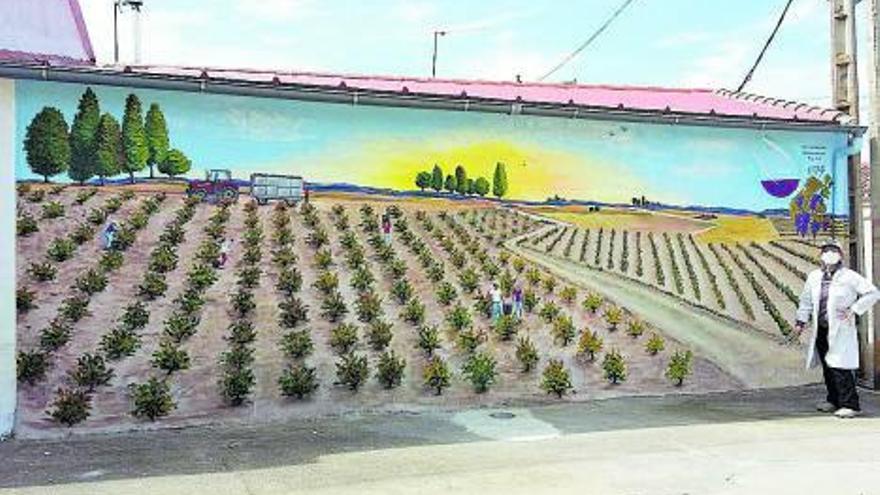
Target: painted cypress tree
157,137
460,180
134,138
108,145
450,184
46,143
499,181
83,135
481,186
470,186
175,163
437,178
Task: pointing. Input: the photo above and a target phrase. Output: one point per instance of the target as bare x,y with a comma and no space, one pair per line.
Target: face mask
830,258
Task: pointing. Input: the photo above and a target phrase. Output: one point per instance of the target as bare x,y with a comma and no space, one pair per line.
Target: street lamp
434,58
135,6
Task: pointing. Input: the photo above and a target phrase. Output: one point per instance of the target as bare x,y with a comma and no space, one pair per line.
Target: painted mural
396,258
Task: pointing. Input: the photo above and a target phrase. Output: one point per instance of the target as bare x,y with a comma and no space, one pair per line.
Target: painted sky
386,147
678,43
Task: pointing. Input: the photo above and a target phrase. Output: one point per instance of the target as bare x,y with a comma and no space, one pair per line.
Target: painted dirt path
755,360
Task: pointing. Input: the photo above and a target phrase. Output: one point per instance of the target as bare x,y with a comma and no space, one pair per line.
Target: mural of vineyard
314,312
748,273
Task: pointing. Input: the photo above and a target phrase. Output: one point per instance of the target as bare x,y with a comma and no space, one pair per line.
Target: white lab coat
850,290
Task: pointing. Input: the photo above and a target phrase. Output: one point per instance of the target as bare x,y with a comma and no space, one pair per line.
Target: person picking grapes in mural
386,228
517,302
223,255
109,234
495,295
833,296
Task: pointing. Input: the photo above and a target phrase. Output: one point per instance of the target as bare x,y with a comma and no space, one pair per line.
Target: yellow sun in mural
533,173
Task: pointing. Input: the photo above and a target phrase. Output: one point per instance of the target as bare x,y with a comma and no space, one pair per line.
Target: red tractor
218,186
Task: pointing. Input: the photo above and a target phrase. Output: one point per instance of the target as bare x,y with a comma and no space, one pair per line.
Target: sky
387,147
673,43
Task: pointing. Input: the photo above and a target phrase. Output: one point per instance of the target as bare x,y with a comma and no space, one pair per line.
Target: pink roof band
690,101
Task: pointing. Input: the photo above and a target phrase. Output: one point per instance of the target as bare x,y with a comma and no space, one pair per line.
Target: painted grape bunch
808,209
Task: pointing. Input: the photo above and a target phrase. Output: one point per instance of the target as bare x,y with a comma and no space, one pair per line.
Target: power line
766,45
589,40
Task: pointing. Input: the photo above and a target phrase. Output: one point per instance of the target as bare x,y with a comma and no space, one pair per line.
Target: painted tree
469,186
108,148
134,137
157,137
450,184
423,180
46,143
499,181
437,178
83,136
175,163
481,186
460,180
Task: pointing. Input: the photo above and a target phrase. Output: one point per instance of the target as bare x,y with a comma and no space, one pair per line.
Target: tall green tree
437,178
157,136
450,184
134,137
46,143
423,180
83,134
460,180
175,163
481,186
499,181
108,144
470,187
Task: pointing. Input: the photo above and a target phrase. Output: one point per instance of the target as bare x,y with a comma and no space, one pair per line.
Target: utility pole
844,73
872,346
845,97
135,6
434,57
116,32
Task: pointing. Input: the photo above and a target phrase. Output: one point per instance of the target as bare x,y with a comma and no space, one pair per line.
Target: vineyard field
316,273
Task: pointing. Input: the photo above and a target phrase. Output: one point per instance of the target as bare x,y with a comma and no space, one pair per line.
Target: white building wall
7,255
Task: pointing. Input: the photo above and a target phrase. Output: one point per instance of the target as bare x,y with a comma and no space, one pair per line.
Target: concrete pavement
755,442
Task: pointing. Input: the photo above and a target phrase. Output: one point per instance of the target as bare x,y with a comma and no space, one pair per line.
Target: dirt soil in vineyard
195,390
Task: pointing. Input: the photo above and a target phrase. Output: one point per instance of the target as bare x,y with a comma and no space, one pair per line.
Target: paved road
767,441
751,357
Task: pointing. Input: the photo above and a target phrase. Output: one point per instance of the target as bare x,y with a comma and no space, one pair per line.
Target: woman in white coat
833,296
